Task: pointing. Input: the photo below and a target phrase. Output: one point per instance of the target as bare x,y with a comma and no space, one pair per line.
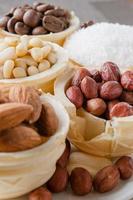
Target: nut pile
104,93
22,117
24,57
39,19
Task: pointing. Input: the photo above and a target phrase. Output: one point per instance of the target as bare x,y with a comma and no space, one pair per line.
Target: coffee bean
11,24
35,4
10,13
19,13
39,30
3,21
31,18
22,29
53,24
56,12
43,8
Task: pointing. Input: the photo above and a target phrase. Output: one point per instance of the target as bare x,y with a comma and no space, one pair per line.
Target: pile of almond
104,93
25,121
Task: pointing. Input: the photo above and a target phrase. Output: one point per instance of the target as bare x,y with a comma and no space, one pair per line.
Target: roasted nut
110,72
89,87
106,179
125,167
31,18
40,194
74,94
11,24
127,80
63,160
58,12
121,109
96,106
96,75
53,24
79,75
81,181
112,103
22,29
59,180
39,30
110,90
19,13
127,97
3,21
44,7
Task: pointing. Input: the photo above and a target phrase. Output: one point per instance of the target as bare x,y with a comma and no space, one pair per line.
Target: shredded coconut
102,42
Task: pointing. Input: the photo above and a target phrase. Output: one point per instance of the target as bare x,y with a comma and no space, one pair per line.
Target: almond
27,95
12,114
19,138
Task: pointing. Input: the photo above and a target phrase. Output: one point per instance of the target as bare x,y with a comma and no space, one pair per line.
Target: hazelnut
125,167
31,18
81,181
110,72
106,179
19,13
127,80
79,75
3,21
22,29
59,180
11,24
74,94
110,90
121,109
96,75
39,30
40,194
89,87
127,97
96,106
63,160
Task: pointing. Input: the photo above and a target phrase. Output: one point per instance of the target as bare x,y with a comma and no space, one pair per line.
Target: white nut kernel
32,70
19,62
3,46
11,41
35,42
52,57
8,68
44,65
37,54
19,72
21,49
29,60
46,50
7,54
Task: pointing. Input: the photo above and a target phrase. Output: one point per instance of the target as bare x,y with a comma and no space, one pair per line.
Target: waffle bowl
19,171
93,135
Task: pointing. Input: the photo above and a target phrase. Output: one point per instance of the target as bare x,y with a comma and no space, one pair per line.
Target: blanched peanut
21,50
3,46
29,60
32,70
8,68
46,50
11,41
7,54
35,42
44,65
37,54
19,72
19,62
52,57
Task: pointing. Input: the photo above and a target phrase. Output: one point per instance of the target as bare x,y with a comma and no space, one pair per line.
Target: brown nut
40,194
19,13
75,95
127,80
59,180
53,24
44,7
63,160
89,87
112,103
127,97
36,3
22,29
96,75
11,25
96,106
3,21
110,72
79,75
110,90
125,167
121,109
39,30
58,12
106,179
81,181
31,18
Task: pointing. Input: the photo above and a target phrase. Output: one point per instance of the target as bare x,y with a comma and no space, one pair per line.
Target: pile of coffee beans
39,19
